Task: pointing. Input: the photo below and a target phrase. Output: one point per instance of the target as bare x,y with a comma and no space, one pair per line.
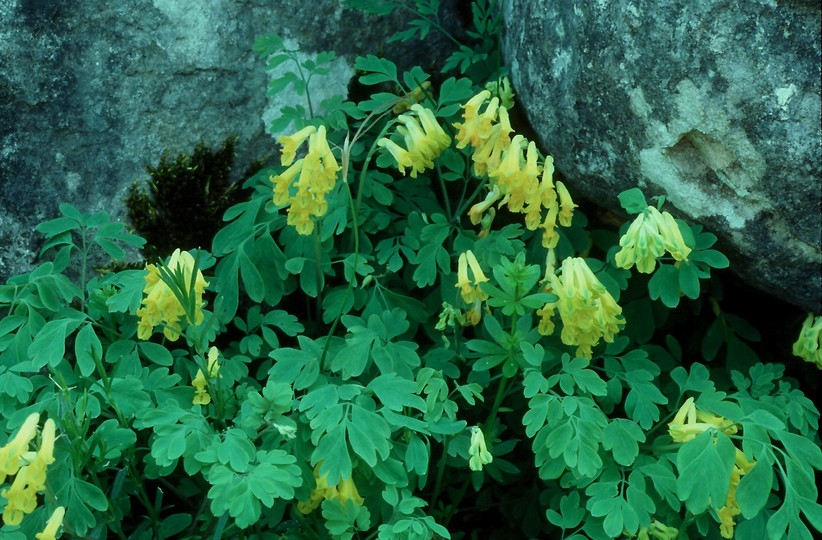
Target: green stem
489,424
319,275
445,197
440,472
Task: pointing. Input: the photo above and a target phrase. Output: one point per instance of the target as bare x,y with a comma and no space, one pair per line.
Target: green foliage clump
357,354
184,200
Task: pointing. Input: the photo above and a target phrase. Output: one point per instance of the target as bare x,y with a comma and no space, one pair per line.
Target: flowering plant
410,330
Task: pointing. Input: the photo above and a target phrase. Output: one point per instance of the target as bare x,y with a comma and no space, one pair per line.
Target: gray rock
93,92
714,104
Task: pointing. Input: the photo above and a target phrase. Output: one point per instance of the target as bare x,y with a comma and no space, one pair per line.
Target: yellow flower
648,237
469,289
10,453
346,490
43,458
292,142
200,384
478,451
690,421
30,475
315,176
809,344
588,311
161,305
53,524
424,138
731,508
473,130
566,205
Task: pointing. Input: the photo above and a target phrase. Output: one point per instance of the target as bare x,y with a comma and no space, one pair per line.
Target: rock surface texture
93,92
714,104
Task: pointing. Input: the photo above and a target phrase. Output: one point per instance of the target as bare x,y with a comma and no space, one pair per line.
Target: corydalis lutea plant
355,392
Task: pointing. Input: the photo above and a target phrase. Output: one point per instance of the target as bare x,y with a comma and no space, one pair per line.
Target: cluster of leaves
333,367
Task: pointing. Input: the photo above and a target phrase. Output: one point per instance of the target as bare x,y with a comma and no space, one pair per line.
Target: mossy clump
182,204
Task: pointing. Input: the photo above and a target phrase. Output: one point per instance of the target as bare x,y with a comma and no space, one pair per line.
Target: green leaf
395,392
711,257
155,353
755,487
688,279
332,451
621,437
705,464
49,345
632,200
88,350
571,512
379,70
664,285
91,495
253,281
368,434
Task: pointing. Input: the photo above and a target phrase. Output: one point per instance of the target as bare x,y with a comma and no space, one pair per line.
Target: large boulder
714,104
93,92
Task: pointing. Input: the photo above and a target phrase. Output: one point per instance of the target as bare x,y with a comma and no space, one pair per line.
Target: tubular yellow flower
424,138
588,311
671,235
292,142
470,130
690,421
10,453
731,508
346,490
43,458
478,210
566,205
808,345
200,384
489,150
53,524
469,290
161,306
478,452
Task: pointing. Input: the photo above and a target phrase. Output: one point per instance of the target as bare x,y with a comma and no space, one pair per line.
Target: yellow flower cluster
588,311
469,289
317,173
424,139
27,467
160,304
687,424
809,344
649,236
346,490
518,181
200,384
478,451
